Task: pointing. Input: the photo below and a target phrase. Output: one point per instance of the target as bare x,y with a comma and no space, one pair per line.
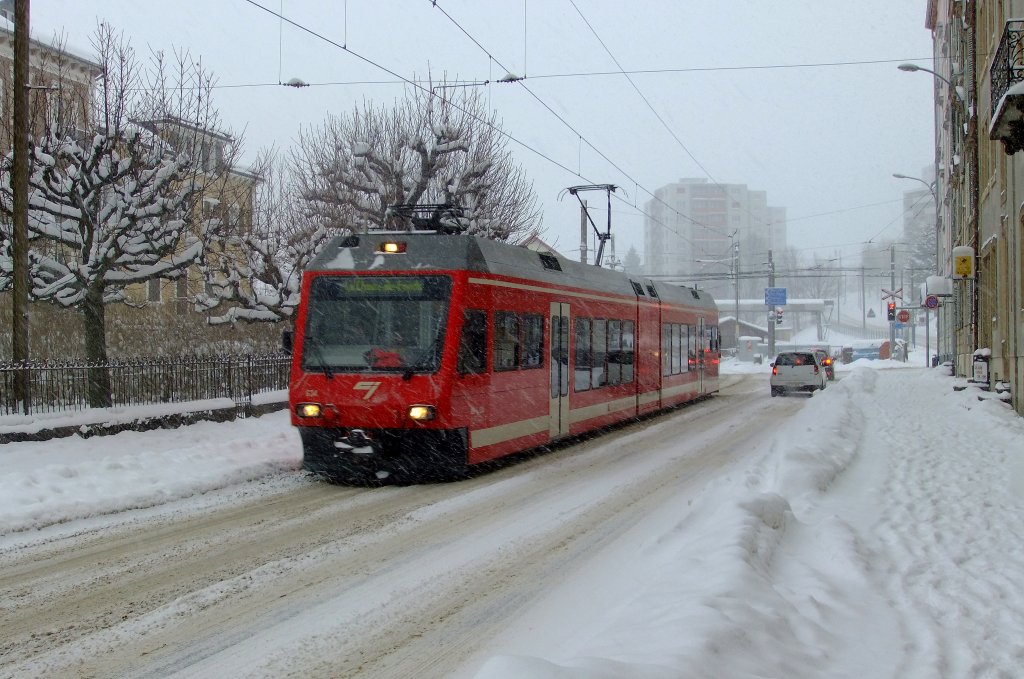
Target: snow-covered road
872,530
299,578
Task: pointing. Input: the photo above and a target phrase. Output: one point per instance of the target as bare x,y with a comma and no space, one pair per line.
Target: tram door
560,367
701,346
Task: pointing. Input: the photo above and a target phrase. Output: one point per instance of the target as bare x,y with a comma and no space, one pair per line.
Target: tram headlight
421,413
309,410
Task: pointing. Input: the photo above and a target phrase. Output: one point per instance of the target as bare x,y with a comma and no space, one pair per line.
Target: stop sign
903,316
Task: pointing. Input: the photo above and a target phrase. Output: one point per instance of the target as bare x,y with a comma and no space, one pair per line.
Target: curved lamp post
935,197
910,68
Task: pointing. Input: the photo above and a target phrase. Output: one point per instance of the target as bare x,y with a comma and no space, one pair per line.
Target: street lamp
930,185
931,189
969,189
910,68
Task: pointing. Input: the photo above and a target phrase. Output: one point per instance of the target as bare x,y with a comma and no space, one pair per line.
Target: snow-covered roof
78,53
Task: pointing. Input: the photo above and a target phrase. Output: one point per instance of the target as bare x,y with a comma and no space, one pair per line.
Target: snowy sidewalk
947,524
910,563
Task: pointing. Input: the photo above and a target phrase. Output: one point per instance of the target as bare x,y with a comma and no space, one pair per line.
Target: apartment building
227,197
63,83
49,63
694,228
979,102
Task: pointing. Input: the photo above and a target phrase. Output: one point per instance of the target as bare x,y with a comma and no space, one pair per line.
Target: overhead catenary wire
583,139
399,79
408,81
587,74
645,99
419,86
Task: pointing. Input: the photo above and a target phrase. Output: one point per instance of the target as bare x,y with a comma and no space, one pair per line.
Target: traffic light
891,313
778,317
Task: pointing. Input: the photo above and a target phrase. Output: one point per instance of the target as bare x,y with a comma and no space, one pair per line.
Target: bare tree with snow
255,273
428,149
343,178
114,200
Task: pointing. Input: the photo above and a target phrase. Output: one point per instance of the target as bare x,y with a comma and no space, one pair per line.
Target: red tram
419,355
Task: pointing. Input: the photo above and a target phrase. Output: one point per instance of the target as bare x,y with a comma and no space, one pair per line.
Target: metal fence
62,386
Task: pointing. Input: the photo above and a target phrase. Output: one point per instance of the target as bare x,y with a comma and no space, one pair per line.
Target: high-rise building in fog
692,225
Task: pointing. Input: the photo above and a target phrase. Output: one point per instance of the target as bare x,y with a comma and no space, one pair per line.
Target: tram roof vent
549,261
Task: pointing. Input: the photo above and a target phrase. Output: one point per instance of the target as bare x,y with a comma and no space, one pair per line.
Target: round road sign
931,301
903,316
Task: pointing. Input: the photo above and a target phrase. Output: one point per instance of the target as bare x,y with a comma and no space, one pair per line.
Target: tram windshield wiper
425,361
314,344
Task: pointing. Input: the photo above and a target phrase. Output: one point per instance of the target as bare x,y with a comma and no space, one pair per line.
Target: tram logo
368,387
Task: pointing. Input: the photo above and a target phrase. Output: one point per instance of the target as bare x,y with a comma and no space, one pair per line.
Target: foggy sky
751,109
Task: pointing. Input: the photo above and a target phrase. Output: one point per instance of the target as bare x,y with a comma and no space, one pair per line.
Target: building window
154,290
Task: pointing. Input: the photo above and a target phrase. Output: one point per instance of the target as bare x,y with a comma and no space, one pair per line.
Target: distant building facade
49,64
694,228
979,106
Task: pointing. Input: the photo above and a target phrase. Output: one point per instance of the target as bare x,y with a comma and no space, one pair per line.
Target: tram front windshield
375,323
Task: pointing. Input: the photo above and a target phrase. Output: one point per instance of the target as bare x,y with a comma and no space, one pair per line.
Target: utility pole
916,306
771,309
583,232
736,282
839,291
892,286
19,181
863,302
927,338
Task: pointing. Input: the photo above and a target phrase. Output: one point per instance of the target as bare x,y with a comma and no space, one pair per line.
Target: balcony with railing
1007,87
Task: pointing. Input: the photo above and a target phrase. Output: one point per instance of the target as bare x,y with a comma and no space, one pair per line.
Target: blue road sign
775,296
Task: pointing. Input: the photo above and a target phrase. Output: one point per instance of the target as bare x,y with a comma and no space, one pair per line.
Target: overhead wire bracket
601,237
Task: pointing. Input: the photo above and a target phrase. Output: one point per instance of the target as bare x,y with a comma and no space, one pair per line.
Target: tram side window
506,340
693,348
473,343
599,346
518,341
614,352
620,352
581,380
627,352
666,355
678,338
604,353
533,341
714,340
677,346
